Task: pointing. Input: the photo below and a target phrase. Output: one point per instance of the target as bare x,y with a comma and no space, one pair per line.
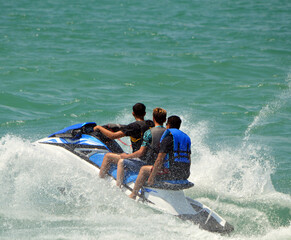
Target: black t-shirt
132,130
135,131
177,170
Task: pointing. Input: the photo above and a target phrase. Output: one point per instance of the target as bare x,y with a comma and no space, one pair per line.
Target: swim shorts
133,164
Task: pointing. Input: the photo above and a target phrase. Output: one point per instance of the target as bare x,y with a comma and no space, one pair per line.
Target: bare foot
102,174
118,184
132,196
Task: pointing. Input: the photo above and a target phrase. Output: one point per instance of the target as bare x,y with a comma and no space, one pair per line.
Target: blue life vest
181,148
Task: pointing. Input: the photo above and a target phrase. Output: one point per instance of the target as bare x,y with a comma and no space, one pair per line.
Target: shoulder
130,129
147,134
132,125
167,139
181,135
167,142
147,137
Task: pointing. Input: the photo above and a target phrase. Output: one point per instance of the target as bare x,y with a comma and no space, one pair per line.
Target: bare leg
108,159
143,175
120,173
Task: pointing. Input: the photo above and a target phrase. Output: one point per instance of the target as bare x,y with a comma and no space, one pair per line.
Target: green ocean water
223,66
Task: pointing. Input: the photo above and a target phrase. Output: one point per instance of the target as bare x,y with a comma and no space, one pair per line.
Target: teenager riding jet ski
173,161
134,130
149,150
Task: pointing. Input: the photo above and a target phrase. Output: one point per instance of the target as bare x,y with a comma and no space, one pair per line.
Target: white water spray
270,109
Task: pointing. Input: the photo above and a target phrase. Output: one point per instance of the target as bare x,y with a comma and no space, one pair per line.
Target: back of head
160,115
174,122
139,109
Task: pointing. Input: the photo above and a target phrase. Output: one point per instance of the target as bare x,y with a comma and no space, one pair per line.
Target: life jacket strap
181,155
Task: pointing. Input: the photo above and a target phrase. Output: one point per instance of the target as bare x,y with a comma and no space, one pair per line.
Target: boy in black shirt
134,130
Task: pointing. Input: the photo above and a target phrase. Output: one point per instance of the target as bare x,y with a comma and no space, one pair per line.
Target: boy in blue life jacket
173,161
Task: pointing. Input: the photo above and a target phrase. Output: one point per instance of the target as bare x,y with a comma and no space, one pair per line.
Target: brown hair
160,115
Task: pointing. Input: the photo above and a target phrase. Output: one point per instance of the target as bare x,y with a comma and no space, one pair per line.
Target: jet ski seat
172,184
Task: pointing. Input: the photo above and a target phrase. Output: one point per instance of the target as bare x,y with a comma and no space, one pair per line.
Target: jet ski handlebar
89,128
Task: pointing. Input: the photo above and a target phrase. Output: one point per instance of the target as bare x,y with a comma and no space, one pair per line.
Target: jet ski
88,146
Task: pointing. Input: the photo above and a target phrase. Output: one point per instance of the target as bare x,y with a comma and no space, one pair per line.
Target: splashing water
48,187
270,109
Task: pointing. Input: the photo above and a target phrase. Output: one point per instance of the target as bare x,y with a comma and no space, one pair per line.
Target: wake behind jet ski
83,144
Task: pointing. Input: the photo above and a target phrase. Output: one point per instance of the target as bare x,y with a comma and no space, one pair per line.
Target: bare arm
136,154
157,166
109,134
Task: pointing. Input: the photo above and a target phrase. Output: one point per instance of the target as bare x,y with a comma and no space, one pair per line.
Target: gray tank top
154,147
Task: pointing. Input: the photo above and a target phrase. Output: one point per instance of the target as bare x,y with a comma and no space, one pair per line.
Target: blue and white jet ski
90,147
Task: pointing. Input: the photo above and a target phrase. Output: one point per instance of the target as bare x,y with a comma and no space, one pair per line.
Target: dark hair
160,115
174,122
139,109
